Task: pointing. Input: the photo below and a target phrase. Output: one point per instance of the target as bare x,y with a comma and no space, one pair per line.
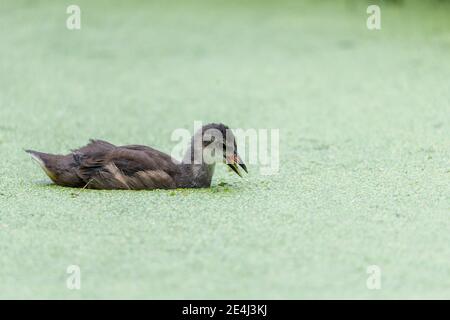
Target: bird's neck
198,173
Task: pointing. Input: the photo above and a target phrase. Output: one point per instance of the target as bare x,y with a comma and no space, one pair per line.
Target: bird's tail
48,163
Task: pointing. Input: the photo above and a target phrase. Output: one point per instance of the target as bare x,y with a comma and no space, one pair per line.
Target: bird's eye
208,140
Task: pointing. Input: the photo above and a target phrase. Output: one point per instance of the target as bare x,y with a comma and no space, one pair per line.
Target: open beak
233,163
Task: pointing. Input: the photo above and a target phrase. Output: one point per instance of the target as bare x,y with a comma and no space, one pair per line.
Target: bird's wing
126,168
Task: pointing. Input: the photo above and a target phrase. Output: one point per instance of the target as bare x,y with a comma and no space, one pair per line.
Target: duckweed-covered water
364,149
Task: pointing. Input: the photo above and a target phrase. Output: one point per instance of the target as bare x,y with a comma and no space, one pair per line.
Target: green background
364,148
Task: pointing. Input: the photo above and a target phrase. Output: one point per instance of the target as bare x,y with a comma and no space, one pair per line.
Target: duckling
102,165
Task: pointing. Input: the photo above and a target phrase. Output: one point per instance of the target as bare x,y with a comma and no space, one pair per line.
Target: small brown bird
102,165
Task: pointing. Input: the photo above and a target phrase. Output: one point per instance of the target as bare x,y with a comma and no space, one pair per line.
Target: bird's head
219,145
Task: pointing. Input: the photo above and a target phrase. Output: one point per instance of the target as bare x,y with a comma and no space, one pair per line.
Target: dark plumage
102,165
